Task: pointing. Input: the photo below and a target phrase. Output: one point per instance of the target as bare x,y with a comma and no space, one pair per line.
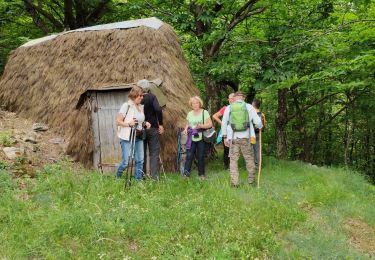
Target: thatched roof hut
43,80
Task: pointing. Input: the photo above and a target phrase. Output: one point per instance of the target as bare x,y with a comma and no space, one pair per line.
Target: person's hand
161,130
185,131
132,122
226,142
148,125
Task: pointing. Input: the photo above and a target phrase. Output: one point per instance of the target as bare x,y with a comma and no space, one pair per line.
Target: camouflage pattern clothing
243,145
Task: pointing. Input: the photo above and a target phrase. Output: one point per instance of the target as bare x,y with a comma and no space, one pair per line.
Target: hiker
217,117
131,117
256,104
153,115
198,120
241,118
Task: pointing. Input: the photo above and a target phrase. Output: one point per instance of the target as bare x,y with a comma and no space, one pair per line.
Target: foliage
320,52
3,165
6,184
89,215
6,139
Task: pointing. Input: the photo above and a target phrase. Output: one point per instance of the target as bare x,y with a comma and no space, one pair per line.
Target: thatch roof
44,81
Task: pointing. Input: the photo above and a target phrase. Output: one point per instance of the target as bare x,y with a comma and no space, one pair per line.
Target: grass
299,212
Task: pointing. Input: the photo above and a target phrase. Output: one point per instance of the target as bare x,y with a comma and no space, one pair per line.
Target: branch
324,124
155,8
56,12
317,101
244,12
342,26
47,15
97,12
245,15
246,6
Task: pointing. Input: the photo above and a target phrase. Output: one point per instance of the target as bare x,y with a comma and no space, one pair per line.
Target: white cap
144,84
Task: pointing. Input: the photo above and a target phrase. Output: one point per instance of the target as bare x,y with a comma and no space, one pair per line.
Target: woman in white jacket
130,116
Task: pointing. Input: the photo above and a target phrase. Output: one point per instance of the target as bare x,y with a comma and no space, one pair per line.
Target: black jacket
152,110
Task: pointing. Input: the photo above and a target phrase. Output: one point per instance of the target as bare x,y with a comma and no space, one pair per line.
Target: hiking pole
260,156
178,149
162,165
130,158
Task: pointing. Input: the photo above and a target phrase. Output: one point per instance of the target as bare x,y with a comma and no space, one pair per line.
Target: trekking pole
178,149
260,156
162,165
130,159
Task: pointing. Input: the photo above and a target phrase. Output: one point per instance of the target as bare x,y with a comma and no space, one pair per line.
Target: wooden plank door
109,104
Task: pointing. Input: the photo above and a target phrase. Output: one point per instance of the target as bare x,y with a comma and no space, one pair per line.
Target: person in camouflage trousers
240,140
241,145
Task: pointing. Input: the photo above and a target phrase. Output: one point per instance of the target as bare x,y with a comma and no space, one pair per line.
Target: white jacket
127,110
253,119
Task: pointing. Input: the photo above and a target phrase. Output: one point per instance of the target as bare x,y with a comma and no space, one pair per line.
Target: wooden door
107,152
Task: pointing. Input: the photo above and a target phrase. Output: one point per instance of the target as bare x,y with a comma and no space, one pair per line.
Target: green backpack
239,117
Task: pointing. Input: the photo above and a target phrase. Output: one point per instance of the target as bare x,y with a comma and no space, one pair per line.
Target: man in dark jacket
153,115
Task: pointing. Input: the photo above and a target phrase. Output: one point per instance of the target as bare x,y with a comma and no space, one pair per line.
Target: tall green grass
298,212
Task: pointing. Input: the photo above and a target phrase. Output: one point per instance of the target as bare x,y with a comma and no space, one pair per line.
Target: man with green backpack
238,132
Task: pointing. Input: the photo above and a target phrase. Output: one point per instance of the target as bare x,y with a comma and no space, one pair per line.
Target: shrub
6,139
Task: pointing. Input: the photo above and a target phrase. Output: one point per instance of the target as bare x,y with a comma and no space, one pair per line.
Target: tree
207,25
57,15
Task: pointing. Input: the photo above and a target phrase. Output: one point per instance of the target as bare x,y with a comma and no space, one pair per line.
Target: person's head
231,97
136,94
145,85
196,103
239,96
256,103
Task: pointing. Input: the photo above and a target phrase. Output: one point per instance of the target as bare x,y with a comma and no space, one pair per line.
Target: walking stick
178,149
260,156
130,158
162,165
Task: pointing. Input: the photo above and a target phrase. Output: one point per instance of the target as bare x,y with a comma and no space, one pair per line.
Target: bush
3,165
6,139
6,183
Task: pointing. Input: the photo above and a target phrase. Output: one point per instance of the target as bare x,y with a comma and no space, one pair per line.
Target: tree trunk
212,94
303,142
250,95
281,123
328,144
69,22
347,135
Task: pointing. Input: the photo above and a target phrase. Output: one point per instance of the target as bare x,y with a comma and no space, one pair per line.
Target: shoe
203,178
234,185
252,183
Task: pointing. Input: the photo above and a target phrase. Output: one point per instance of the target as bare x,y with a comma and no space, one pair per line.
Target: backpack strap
230,113
127,110
203,116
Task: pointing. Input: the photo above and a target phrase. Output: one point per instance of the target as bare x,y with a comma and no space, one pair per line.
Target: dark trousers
226,156
153,144
197,149
256,148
